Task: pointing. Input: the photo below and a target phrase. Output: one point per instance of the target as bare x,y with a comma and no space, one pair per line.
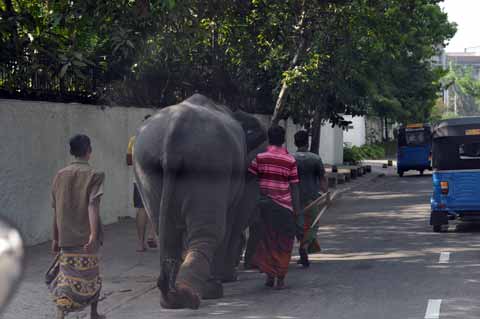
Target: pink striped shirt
276,170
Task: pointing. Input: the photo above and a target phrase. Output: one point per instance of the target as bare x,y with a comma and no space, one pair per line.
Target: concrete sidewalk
129,276
126,274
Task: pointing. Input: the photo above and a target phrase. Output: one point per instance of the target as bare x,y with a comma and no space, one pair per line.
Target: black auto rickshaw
456,171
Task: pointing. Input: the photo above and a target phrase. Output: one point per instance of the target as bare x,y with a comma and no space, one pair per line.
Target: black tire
437,228
421,172
400,174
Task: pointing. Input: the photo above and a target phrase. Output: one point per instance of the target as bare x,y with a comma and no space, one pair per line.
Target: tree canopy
309,60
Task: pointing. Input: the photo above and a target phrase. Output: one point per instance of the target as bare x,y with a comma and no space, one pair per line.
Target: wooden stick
317,201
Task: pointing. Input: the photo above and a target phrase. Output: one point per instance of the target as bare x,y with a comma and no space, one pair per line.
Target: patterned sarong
277,233
309,238
77,284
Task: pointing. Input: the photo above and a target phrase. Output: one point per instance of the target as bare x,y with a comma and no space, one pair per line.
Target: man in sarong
278,178
312,181
77,232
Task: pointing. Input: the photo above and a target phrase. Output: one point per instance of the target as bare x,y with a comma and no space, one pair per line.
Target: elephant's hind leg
171,259
150,186
204,207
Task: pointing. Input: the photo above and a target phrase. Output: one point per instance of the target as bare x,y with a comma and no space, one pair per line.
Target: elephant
191,167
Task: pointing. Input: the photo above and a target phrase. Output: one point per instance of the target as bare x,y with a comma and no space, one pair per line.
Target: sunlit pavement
380,259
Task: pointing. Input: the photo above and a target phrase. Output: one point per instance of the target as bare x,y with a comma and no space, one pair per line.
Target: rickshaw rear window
469,151
456,153
415,137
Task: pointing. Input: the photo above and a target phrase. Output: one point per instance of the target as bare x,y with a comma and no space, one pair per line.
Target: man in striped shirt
279,204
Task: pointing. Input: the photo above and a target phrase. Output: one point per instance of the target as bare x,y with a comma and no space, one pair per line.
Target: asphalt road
380,260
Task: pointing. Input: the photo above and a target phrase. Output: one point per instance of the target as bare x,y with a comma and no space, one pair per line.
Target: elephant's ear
255,133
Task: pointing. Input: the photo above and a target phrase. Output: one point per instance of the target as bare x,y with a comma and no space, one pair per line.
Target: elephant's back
199,134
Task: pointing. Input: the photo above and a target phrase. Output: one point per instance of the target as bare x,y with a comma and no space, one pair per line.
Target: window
415,137
469,151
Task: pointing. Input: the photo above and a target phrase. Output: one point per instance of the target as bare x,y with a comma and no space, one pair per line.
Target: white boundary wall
34,146
356,134
331,142
331,139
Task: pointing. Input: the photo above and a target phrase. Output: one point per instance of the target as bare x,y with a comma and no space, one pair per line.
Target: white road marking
444,257
433,309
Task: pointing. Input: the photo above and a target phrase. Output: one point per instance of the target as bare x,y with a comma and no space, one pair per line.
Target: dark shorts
137,199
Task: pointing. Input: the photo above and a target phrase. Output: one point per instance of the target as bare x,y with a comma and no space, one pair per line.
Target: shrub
354,154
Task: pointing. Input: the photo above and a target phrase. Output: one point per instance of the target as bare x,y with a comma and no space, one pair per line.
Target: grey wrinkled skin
190,163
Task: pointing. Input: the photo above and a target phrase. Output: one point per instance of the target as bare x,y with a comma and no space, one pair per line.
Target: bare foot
280,284
270,282
94,311
141,248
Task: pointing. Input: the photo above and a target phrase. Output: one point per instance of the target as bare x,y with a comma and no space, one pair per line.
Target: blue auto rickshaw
456,171
414,148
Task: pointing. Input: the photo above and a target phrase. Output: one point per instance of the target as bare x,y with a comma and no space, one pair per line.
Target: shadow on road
467,227
416,175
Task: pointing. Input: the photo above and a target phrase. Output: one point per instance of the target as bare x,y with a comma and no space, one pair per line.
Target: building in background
454,99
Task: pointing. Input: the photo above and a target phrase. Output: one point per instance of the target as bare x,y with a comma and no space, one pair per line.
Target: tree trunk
386,130
10,14
281,96
316,134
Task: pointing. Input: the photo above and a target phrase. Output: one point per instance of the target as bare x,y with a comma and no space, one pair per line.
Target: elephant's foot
168,275
213,289
162,284
175,296
165,301
183,296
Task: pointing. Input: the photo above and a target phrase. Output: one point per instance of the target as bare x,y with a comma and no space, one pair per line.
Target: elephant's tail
170,167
